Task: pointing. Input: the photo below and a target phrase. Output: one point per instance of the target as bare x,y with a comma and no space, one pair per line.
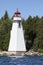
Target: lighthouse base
17,53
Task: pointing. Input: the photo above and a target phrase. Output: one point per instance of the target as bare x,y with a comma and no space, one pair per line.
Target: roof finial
17,9
17,12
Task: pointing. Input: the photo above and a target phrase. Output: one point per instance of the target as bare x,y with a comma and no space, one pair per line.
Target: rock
29,53
32,53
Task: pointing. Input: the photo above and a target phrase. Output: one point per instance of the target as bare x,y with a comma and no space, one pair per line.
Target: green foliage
5,16
33,32
5,27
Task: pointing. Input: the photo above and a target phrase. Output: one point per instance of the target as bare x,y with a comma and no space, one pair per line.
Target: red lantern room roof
17,12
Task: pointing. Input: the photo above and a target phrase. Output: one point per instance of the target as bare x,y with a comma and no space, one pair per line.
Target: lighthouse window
19,24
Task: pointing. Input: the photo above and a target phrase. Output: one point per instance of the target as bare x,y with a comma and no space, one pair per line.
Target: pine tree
6,15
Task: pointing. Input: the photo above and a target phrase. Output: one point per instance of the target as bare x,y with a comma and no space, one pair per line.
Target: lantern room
17,16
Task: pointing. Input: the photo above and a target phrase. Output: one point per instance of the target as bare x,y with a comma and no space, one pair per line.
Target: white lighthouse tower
17,42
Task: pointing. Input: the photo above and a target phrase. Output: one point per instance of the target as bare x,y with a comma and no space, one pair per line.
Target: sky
26,7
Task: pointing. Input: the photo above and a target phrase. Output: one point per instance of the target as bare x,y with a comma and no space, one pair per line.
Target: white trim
17,18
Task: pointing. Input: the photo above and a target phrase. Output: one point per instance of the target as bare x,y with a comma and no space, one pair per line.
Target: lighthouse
17,42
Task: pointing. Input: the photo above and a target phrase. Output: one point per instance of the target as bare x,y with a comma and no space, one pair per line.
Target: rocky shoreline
29,53
32,53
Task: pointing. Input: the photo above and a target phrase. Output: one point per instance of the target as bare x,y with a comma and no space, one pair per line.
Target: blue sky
26,7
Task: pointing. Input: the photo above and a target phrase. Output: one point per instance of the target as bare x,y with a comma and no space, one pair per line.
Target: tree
6,15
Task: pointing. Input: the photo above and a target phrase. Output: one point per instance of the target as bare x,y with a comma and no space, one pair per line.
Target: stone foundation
18,53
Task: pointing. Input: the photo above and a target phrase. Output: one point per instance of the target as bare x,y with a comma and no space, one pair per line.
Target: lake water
25,60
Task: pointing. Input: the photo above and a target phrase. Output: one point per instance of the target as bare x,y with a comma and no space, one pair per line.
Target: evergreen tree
6,15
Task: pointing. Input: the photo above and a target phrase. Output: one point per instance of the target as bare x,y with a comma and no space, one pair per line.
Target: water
29,60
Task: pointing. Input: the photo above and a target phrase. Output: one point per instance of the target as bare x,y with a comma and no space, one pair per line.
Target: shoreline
29,53
33,53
